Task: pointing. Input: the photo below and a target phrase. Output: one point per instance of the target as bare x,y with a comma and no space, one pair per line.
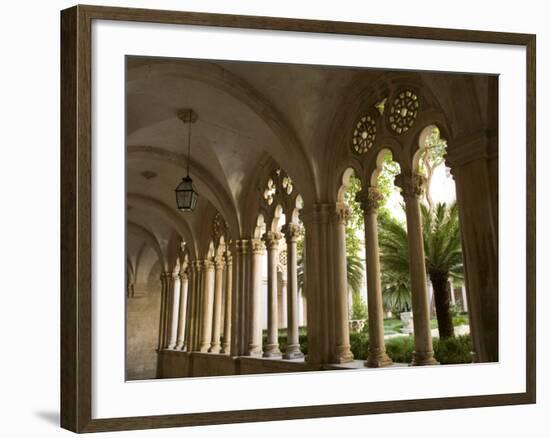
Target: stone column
343,352
217,314
411,185
377,357
464,299
173,311
255,324
226,343
207,306
284,295
192,275
292,232
184,284
453,297
238,302
163,302
272,243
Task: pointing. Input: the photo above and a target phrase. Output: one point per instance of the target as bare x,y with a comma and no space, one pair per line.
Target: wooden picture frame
76,173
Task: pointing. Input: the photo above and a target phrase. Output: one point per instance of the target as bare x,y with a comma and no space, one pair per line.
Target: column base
215,348
421,358
272,350
293,352
179,346
226,349
343,354
378,359
171,347
254,351
204,348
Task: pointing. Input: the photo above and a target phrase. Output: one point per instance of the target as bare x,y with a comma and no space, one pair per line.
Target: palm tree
443,254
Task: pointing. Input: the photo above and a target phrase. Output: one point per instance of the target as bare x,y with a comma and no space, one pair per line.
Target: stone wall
142,327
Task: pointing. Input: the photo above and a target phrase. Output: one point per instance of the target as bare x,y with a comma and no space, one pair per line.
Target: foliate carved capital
257,246
184,275
370,199
271,239
412,184
219,262
208,265
291,232
166,276
228,260
343,213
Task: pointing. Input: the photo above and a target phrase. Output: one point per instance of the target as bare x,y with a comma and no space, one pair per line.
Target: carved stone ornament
403,111
370,200
291,232
364,135
411,184
271,239
343,213
257,245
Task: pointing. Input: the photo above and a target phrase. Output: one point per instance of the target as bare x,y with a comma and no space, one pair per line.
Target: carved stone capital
257,246
208,265
228,260
370,199
291,232
219,262
412,184
343,213
184,275
271,239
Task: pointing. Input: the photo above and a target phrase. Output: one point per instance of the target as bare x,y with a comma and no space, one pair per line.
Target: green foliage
358,307
355,271
385,180
442,241
400,349
453,350
442,248
431,158
355,223
359,343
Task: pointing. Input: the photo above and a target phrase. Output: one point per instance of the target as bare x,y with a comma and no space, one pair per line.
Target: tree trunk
442,293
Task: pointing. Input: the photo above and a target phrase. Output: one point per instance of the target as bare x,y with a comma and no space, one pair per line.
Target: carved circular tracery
403,111
364,135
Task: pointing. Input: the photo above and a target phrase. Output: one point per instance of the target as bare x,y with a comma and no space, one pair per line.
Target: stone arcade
273,150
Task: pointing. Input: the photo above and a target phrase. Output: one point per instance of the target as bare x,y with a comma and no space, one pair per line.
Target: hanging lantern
186,195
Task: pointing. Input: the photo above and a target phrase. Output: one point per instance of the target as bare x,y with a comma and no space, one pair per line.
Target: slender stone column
238,305
272,243
292,232
284,295
173,311
453,297
192,325
189,313
411,185
464,299
255,325
207,306
377,357
343,352
216,325
226,343
184,284
163,313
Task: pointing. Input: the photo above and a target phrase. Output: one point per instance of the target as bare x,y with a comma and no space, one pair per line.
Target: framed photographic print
268,218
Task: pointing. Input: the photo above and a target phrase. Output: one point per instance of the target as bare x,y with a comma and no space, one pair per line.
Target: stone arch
207,185
234,86
177,222
150,238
